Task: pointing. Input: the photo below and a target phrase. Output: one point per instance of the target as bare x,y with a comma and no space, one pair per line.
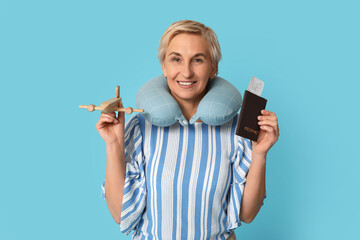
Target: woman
185,182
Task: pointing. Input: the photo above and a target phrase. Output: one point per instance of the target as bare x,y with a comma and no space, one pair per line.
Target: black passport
247,125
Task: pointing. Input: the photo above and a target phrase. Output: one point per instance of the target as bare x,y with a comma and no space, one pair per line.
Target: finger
107,118
272,124
267,129
112,114
108,115
267,113
268,123
120,115
104,122
272,118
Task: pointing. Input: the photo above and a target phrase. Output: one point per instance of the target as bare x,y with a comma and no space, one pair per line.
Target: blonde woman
192,181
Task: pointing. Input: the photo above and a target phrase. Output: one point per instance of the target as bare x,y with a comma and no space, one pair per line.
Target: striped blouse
183,182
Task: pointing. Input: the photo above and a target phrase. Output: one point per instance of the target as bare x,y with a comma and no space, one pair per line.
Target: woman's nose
187,71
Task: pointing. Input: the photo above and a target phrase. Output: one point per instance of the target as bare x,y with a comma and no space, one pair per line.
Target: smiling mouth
186,83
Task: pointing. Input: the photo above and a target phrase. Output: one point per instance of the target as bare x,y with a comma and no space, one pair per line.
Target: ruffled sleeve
240,168
134,199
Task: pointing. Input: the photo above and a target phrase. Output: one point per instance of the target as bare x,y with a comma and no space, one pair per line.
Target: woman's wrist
113,144
258,157
115,152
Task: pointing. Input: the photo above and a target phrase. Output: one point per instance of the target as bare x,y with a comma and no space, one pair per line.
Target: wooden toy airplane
111,105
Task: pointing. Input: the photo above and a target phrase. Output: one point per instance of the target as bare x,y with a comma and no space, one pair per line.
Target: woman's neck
188,108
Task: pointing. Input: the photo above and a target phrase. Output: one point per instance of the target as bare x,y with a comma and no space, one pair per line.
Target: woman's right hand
110,127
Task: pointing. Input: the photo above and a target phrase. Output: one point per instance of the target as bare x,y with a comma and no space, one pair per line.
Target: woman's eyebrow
196,55
200,55
175,53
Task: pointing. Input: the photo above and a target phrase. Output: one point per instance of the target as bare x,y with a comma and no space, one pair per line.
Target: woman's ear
213,72
163,69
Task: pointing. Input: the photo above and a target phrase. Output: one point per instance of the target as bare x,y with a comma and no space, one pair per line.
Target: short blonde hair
188,26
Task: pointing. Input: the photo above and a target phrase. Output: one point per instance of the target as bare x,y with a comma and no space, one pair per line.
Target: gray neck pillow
220,104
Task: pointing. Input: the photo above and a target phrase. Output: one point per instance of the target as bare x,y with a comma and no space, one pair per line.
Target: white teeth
186,83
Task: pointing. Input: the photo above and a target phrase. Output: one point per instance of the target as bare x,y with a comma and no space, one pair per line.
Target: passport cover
247,125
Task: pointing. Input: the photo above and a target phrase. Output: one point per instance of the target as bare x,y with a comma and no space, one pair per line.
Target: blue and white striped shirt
183,182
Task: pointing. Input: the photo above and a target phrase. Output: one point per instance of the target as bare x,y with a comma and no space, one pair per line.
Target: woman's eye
175,59
198,60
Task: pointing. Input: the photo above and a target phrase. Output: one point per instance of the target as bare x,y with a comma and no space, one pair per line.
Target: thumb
120,114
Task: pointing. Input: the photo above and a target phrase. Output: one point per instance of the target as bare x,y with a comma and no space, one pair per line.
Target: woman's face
187,66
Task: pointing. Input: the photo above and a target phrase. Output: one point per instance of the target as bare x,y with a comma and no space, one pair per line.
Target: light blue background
56,55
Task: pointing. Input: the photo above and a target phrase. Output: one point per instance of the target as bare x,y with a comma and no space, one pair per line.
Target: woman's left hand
269,133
